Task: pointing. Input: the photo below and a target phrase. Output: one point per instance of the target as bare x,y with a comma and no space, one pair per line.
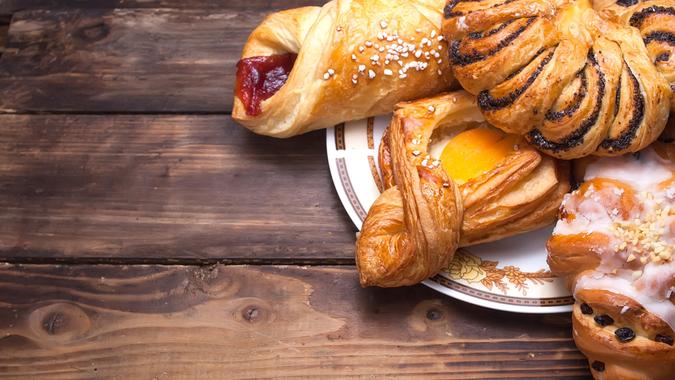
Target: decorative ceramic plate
510,274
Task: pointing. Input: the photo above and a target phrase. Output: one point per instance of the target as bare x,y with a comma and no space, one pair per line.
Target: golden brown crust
574,253
412,229
563,74
641,358
370,48
655,19
384,160
415,226
521,194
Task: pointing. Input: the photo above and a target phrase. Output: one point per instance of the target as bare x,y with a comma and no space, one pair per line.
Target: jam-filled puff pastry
315,67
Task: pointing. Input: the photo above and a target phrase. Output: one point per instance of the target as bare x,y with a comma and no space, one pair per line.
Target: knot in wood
93,33
59,322
54,323
434,314
250,313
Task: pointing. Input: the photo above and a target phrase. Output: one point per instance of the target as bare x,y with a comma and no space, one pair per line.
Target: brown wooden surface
158,187
123,60
116,147
3,36
11,6
146,322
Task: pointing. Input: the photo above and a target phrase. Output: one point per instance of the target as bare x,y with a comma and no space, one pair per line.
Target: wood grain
147,188
3,37
145,322
123,60
11,6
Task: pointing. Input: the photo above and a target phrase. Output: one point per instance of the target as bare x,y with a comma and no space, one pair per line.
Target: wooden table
144,235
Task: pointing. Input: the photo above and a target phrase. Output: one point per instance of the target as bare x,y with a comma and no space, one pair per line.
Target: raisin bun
614,242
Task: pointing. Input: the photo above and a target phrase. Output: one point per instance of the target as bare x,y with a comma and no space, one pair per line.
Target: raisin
625,334
603,320
585,309
664,339
598,366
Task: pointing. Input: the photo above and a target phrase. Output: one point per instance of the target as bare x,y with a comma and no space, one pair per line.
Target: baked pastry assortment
484,185
315,67
546,81
572,79
615,244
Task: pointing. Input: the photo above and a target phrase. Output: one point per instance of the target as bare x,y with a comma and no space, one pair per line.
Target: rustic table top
143,234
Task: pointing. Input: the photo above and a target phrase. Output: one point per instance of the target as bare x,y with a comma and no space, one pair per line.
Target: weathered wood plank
123,60
146,322
11,6
3,37
171,187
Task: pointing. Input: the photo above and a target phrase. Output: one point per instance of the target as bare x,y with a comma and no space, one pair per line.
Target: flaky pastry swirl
573,80
414,227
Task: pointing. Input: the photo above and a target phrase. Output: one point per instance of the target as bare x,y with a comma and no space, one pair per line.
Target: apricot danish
615,242
574,80
483,186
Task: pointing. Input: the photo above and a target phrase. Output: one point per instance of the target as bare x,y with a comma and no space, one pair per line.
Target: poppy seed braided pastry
656,21
574,80
615,244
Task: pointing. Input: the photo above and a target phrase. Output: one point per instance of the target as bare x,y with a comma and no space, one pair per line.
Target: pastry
655,19
574,80
315,67
615,243
473,184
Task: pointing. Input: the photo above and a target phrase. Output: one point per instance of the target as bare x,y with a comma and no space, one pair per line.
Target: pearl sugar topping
392,55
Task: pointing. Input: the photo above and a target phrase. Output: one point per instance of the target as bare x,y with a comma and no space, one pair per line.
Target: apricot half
476,151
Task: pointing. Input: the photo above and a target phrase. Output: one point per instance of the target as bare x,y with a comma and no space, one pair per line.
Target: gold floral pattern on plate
473,269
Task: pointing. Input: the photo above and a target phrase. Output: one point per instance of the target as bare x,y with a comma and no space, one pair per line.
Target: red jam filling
258,78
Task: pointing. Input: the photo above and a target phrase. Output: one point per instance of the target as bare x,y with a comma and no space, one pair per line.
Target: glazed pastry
315,67
473,184
615,243
564,75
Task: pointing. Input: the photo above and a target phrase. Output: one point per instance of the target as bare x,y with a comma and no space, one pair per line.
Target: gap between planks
4,29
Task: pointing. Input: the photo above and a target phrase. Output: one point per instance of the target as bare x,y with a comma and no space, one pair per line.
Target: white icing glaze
643,173
622,283
621,269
